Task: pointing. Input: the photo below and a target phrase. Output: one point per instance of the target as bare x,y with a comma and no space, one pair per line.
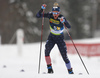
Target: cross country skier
56,36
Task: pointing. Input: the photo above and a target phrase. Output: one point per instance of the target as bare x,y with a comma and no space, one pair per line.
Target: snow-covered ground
12,62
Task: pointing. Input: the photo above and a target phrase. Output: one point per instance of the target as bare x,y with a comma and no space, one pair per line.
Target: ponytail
56,4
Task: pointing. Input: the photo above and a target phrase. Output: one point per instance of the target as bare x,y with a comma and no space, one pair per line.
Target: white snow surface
12,62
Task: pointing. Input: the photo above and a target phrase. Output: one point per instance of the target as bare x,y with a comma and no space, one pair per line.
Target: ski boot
70,71
50,70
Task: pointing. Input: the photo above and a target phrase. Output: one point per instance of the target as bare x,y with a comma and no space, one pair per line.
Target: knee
47,47
47,50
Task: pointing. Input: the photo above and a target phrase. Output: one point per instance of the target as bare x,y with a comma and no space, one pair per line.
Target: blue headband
56,9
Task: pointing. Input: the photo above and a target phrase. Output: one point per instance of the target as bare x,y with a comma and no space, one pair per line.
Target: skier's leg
49,45
63,50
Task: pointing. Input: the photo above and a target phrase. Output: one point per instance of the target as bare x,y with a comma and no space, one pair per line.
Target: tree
17,14
76,18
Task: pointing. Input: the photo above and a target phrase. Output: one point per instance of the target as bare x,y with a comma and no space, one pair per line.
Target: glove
62,20
43,6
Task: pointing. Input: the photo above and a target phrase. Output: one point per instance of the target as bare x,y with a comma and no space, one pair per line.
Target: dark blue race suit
56,35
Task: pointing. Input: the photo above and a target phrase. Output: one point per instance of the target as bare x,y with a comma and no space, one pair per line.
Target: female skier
56,36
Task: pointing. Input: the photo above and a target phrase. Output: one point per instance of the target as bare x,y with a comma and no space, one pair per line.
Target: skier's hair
56,7
56,4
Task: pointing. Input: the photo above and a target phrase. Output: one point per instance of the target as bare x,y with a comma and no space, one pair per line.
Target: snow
12,62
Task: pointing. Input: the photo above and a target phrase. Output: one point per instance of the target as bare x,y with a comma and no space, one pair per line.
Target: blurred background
83,15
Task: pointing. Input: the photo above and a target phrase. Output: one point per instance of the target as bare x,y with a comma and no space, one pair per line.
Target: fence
84,49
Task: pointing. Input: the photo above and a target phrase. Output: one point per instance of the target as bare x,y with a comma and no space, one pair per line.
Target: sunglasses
55,13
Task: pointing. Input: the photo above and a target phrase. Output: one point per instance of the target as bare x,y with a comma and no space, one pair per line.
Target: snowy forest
83,15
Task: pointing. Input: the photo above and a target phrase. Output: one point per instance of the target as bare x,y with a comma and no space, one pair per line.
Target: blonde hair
55,4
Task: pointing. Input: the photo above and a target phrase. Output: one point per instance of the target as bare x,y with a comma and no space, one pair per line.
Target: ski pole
76,50
41,42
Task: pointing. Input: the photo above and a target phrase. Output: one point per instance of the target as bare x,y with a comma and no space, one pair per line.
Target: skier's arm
67,24
40,14
63,20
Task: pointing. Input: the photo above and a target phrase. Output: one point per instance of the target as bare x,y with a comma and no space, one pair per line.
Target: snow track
11,63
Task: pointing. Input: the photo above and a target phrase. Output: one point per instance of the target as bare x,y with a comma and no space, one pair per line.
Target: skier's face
55,14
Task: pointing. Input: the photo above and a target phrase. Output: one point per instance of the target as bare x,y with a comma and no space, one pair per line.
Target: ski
52,73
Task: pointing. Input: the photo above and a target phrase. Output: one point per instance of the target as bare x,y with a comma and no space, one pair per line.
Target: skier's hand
62,20
43,6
